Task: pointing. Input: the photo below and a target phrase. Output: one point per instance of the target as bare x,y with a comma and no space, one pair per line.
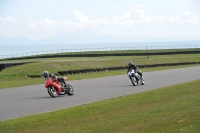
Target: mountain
88,37
14,41
82,36
78,37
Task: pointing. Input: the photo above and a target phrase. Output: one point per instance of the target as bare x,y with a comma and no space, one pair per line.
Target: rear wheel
70,90
134,81
52,91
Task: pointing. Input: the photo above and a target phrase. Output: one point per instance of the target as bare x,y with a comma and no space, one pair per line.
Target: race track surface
30,100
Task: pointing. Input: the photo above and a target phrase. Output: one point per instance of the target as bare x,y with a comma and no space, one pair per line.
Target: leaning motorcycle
135,78
54,87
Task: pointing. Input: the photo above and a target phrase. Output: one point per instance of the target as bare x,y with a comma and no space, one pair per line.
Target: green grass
171,109
16,82
18,75
53,67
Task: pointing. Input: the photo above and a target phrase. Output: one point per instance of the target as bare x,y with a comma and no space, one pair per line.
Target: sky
42,19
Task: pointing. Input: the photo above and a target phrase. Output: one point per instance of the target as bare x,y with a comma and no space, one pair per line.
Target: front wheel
70,90
134,81
142,83
52,91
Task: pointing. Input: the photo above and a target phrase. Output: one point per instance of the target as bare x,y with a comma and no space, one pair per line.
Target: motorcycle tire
134,81
69,90
52,91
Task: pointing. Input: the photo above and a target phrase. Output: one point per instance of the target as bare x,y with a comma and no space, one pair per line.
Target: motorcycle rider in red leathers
46,75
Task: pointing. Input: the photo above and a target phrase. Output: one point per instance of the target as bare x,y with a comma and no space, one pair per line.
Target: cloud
82,18
138,17
188,17
7,20
138,13
50,24
135,22
8,27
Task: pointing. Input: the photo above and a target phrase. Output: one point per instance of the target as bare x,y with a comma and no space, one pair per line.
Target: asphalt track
30,100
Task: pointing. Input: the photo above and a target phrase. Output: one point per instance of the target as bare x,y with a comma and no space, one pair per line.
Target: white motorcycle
135,78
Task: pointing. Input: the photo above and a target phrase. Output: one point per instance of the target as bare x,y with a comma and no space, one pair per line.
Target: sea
7,51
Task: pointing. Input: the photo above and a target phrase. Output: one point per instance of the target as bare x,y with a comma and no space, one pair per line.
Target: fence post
99,49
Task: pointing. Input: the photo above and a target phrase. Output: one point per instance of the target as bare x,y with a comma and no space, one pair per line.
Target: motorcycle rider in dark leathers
46,74
135,68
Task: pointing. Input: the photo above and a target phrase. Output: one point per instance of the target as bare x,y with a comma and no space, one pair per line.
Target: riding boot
63,90
64,85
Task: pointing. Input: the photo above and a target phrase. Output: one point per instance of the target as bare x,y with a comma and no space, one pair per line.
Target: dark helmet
45,74
130,63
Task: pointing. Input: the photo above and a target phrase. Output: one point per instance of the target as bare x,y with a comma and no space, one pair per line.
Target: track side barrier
103,54
115,68
7,65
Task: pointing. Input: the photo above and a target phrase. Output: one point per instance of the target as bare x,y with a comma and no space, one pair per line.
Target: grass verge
170,109
23,71
16,82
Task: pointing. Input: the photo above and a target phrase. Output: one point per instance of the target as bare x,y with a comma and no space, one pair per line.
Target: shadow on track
39,97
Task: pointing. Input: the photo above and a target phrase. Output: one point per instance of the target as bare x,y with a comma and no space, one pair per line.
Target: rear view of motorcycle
135,78
54,87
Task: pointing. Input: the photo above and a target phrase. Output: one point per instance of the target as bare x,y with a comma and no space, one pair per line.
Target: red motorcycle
54,87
